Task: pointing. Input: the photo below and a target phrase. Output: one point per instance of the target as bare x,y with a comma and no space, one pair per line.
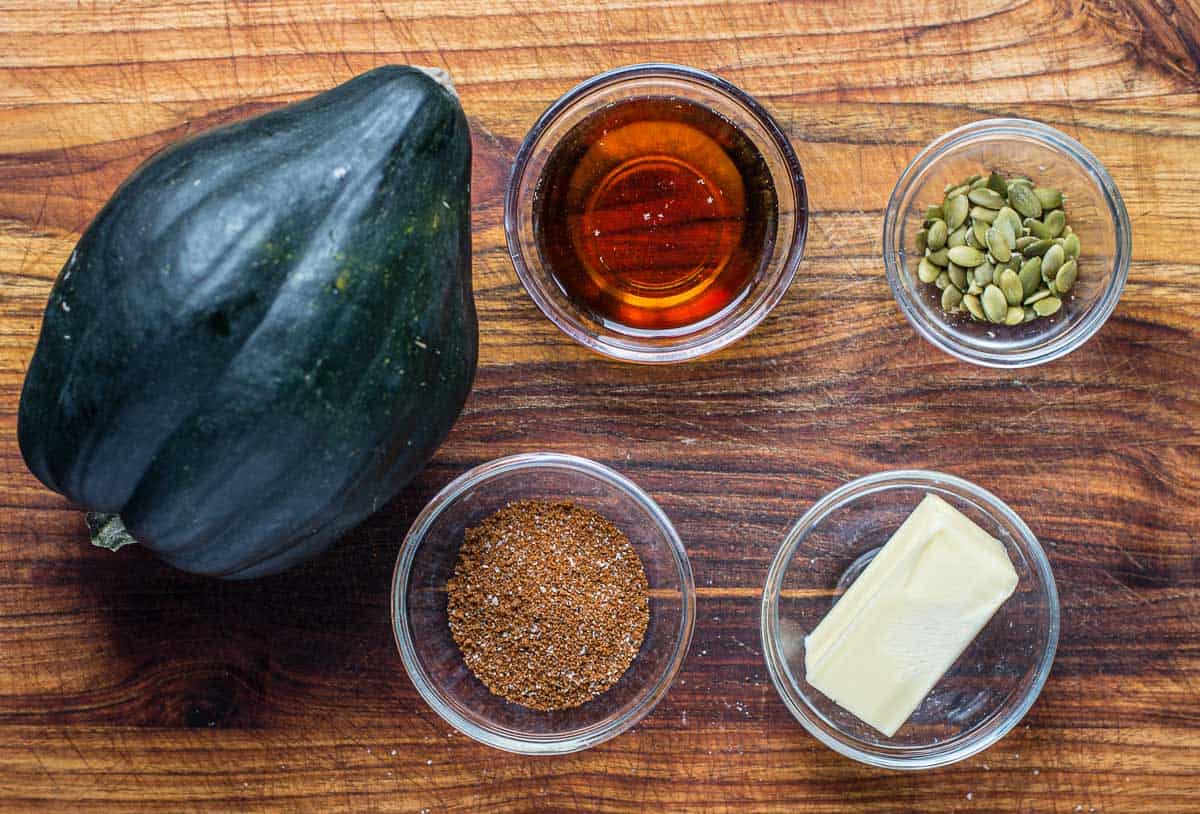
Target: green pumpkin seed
982,213
927,272
942,281
1040,294
995,307
934,213
979,232
1030,315
937,235
1025,242
986,197
974,287
922,241
1048,197
998,246
951,299
958,276
961,189
996,183
971,301
1009,215
1071,245
1048,306
976,183
984,273
958,237
1051,261
1055,221
939,258
1015,315
967,256
1037,248
1009,234
1038,229
1010,286
1064,280
956,211
1022,199
1030,275
1019,179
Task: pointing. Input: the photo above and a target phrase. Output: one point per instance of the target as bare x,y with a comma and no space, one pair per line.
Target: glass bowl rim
817,513
712,337
550,744
1059,142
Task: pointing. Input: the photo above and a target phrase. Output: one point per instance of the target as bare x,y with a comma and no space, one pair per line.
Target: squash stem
108,531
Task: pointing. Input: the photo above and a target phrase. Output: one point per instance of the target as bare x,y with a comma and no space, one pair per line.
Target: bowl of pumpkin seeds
1006,243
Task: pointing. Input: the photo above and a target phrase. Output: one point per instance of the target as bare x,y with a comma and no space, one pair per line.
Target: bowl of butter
909,619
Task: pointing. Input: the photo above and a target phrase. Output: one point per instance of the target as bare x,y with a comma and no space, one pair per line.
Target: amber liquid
655,215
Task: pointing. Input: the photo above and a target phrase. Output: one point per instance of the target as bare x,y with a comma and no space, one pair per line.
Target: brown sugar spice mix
549,603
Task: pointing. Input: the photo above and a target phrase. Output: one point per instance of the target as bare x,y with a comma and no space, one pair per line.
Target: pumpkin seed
967,256
1038,229
1064,280
927,272
1040,294
1022,199
1019,179
943,280
973,287
996,183
956,211
1051,261
979,232
995,307
958,237
961,189
1010,235
1048,306
1025,242
976,183
971,301
951,298
1010,286
937,235
922,241
1007,213
986,197
1071,245
1015,315
939,258
1037,248
998,245
1055,222
934,213
1030,275
982,213
1030,315
958,276
1048,197
984,273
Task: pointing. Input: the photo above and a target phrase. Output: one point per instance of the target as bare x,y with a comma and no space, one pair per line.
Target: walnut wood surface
125,686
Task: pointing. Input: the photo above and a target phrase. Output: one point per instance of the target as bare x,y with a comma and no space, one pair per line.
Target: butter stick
910,614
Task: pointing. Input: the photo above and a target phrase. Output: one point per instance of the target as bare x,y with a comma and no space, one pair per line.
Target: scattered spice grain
548,604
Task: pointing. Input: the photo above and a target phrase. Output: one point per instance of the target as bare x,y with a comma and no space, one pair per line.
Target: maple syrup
655,214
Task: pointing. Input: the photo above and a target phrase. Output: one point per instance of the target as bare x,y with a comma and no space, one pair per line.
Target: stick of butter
909,615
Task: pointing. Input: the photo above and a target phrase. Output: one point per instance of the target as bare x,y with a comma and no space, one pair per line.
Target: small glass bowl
988,689
782,251
1094,210
433,660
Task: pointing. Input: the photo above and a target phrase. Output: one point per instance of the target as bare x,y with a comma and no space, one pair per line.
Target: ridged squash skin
267,331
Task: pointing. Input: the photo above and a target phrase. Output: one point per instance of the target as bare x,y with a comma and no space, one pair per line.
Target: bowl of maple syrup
656,213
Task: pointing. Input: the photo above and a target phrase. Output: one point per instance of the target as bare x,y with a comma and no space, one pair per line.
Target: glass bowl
433,660
782,248
1094,210
988,689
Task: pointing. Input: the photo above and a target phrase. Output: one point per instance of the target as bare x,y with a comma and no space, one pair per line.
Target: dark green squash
267,331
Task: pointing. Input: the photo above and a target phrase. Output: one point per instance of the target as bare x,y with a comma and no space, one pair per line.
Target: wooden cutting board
125,686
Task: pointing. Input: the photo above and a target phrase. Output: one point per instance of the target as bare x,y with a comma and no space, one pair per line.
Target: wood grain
125,686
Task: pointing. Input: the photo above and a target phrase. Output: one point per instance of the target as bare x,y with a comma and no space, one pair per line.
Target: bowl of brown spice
542,603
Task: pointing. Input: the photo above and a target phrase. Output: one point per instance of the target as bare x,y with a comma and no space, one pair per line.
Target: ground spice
548,603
